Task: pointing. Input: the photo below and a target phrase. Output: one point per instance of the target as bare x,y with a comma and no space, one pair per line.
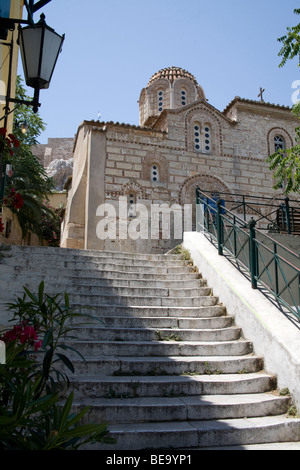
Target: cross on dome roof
171,74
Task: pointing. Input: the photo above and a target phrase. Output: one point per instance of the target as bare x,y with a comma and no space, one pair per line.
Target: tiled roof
104,124
171,74
260,103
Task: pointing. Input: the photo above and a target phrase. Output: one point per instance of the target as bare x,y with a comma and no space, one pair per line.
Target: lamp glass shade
4,8
40,47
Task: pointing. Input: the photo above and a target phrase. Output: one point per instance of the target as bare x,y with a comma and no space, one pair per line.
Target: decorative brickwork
154,158
273,133
208,183
204,118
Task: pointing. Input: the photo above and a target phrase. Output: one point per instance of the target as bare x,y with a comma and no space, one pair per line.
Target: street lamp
40,46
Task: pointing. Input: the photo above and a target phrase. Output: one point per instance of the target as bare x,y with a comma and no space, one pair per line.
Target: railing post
276,268
287,212
253,254
220,228
197,194
244,208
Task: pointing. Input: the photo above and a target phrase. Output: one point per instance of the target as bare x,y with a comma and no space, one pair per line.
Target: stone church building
123,175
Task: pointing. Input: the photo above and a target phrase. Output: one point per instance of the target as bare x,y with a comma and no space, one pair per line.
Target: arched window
279,143
197,136
154,172
201,137
206,139
160,100
131,198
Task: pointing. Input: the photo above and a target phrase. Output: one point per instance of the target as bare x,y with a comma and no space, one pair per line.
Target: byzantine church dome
171,74
169,88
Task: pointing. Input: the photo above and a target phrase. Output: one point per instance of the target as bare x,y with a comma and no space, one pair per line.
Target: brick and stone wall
55,149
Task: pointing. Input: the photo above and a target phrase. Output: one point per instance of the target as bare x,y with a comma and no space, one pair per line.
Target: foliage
27,188
286,164
8,143
291,43
24,113
32,416
51,226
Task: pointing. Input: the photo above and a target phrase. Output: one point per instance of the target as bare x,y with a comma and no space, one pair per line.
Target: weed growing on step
112,394
172,337
207,371
292,412
284,392
185,254
32,415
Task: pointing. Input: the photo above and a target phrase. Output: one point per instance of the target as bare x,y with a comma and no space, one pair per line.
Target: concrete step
162,348
141,311
109,290
168,365
173,323
198,434
135,385
98,281
70,253
94,300
268,446
103,263
106,333
191,408
51,272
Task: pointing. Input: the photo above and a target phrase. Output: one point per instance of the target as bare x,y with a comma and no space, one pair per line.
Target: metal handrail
283,209
271,266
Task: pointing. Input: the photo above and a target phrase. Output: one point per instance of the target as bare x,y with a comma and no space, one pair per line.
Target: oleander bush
33,415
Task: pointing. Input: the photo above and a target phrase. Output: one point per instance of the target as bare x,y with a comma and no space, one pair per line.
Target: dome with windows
168,89
171,74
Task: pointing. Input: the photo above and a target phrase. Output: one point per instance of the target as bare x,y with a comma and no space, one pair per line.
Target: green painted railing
269,265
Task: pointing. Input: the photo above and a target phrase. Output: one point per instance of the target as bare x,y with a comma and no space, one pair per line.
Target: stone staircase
169,368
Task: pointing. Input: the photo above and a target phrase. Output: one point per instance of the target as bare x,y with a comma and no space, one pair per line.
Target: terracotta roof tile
171,74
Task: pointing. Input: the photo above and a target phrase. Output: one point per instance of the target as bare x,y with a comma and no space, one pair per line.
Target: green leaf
65,412
84,429
47,362
71,348
41,292
47,337
66,361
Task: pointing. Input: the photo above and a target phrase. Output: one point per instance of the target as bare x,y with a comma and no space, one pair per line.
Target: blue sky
112,48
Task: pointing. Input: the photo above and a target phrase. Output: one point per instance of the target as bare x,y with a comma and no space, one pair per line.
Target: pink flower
23,333
38,345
